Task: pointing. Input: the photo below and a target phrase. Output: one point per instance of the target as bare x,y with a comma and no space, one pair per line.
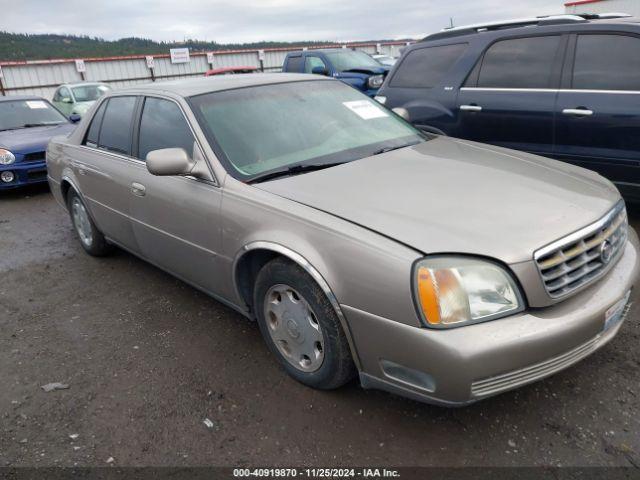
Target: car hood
364,72
27,140
454,196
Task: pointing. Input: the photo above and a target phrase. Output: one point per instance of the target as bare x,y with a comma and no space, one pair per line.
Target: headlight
6,157
456,291
375,81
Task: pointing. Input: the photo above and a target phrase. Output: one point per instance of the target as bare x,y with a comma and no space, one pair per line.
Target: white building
631,7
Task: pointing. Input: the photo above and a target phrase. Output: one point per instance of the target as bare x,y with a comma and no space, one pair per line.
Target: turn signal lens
452,291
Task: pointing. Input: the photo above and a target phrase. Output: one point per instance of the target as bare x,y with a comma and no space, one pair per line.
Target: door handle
471,108
138,189
577,112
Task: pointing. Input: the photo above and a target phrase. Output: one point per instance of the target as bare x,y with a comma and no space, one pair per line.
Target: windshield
89,93
351,59
272,127
16,114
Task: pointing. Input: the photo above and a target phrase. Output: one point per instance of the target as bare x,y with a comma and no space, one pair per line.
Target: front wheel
91,239
301,327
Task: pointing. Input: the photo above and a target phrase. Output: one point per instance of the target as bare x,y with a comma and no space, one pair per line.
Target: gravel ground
147,359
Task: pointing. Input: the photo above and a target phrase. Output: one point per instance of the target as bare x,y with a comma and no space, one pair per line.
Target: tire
296,320
91,239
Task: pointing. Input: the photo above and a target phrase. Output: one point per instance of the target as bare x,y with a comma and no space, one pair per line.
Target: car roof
197,86
10,98
81,84
549,24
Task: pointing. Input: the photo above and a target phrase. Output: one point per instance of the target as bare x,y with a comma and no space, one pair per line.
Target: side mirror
66,100
402,112
320,71
169,161
74,118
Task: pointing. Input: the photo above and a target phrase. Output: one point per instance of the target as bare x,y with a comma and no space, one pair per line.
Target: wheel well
65,187
247,270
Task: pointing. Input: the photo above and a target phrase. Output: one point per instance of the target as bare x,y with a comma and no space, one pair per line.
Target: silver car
439,269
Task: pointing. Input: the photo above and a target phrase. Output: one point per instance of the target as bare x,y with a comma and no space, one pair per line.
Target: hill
19,46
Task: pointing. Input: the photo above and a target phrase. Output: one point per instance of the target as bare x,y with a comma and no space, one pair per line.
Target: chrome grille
583,256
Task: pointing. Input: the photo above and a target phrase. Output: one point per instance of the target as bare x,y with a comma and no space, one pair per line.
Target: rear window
115,134
426,67
94,130
607,62
294,64
519,63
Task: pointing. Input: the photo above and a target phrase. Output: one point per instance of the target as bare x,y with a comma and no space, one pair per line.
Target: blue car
26,126
350,66
566,87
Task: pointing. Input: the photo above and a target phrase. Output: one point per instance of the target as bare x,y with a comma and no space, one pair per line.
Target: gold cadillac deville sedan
439,269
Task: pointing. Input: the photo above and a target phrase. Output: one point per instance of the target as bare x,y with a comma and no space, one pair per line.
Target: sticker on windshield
36,104
365,109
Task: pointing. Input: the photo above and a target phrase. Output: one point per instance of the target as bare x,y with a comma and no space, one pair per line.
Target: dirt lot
148,359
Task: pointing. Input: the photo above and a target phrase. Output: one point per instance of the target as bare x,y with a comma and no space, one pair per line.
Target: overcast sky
255,20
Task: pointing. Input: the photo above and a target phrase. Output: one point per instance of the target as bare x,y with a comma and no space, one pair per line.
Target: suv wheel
301,327
91,239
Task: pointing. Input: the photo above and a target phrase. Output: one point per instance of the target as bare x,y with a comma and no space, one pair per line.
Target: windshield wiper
390,149
43,124
293,170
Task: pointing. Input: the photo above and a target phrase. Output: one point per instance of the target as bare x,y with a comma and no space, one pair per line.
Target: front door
510,96
63,101
175,218
598,108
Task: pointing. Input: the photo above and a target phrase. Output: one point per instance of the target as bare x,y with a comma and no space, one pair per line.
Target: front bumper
464,365
25,174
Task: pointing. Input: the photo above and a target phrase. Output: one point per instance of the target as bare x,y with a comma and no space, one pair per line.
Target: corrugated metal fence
43,76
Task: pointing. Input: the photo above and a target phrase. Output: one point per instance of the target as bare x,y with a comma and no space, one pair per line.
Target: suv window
426,67
607,62
115,134
312,62
294,64
163,126
94,130
62,92
519,63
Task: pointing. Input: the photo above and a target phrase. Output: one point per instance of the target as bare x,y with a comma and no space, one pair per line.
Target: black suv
566,87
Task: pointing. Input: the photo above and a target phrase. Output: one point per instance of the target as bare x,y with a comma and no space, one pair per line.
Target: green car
77,98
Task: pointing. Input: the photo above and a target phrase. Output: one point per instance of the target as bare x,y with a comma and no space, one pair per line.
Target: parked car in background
567,87
77,98
230,71
440,269
352,67
27,123
387,60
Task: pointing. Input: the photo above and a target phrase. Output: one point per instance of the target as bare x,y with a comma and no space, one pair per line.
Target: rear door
510,95
175,218
103,165
599,107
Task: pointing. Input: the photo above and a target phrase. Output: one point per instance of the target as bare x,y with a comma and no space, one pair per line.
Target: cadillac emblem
606,251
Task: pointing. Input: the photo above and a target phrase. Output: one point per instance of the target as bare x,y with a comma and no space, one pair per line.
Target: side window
312,62
426,67
61,93
91,140
607,62
163,126
115,134
519,63
294,64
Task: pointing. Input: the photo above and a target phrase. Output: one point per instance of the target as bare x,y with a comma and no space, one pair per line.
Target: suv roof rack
524,22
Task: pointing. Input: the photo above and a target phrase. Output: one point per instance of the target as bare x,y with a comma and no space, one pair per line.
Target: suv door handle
577,112
471,108
138,189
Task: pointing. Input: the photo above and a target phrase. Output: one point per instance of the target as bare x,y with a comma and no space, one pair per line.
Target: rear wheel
301,327
91,239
